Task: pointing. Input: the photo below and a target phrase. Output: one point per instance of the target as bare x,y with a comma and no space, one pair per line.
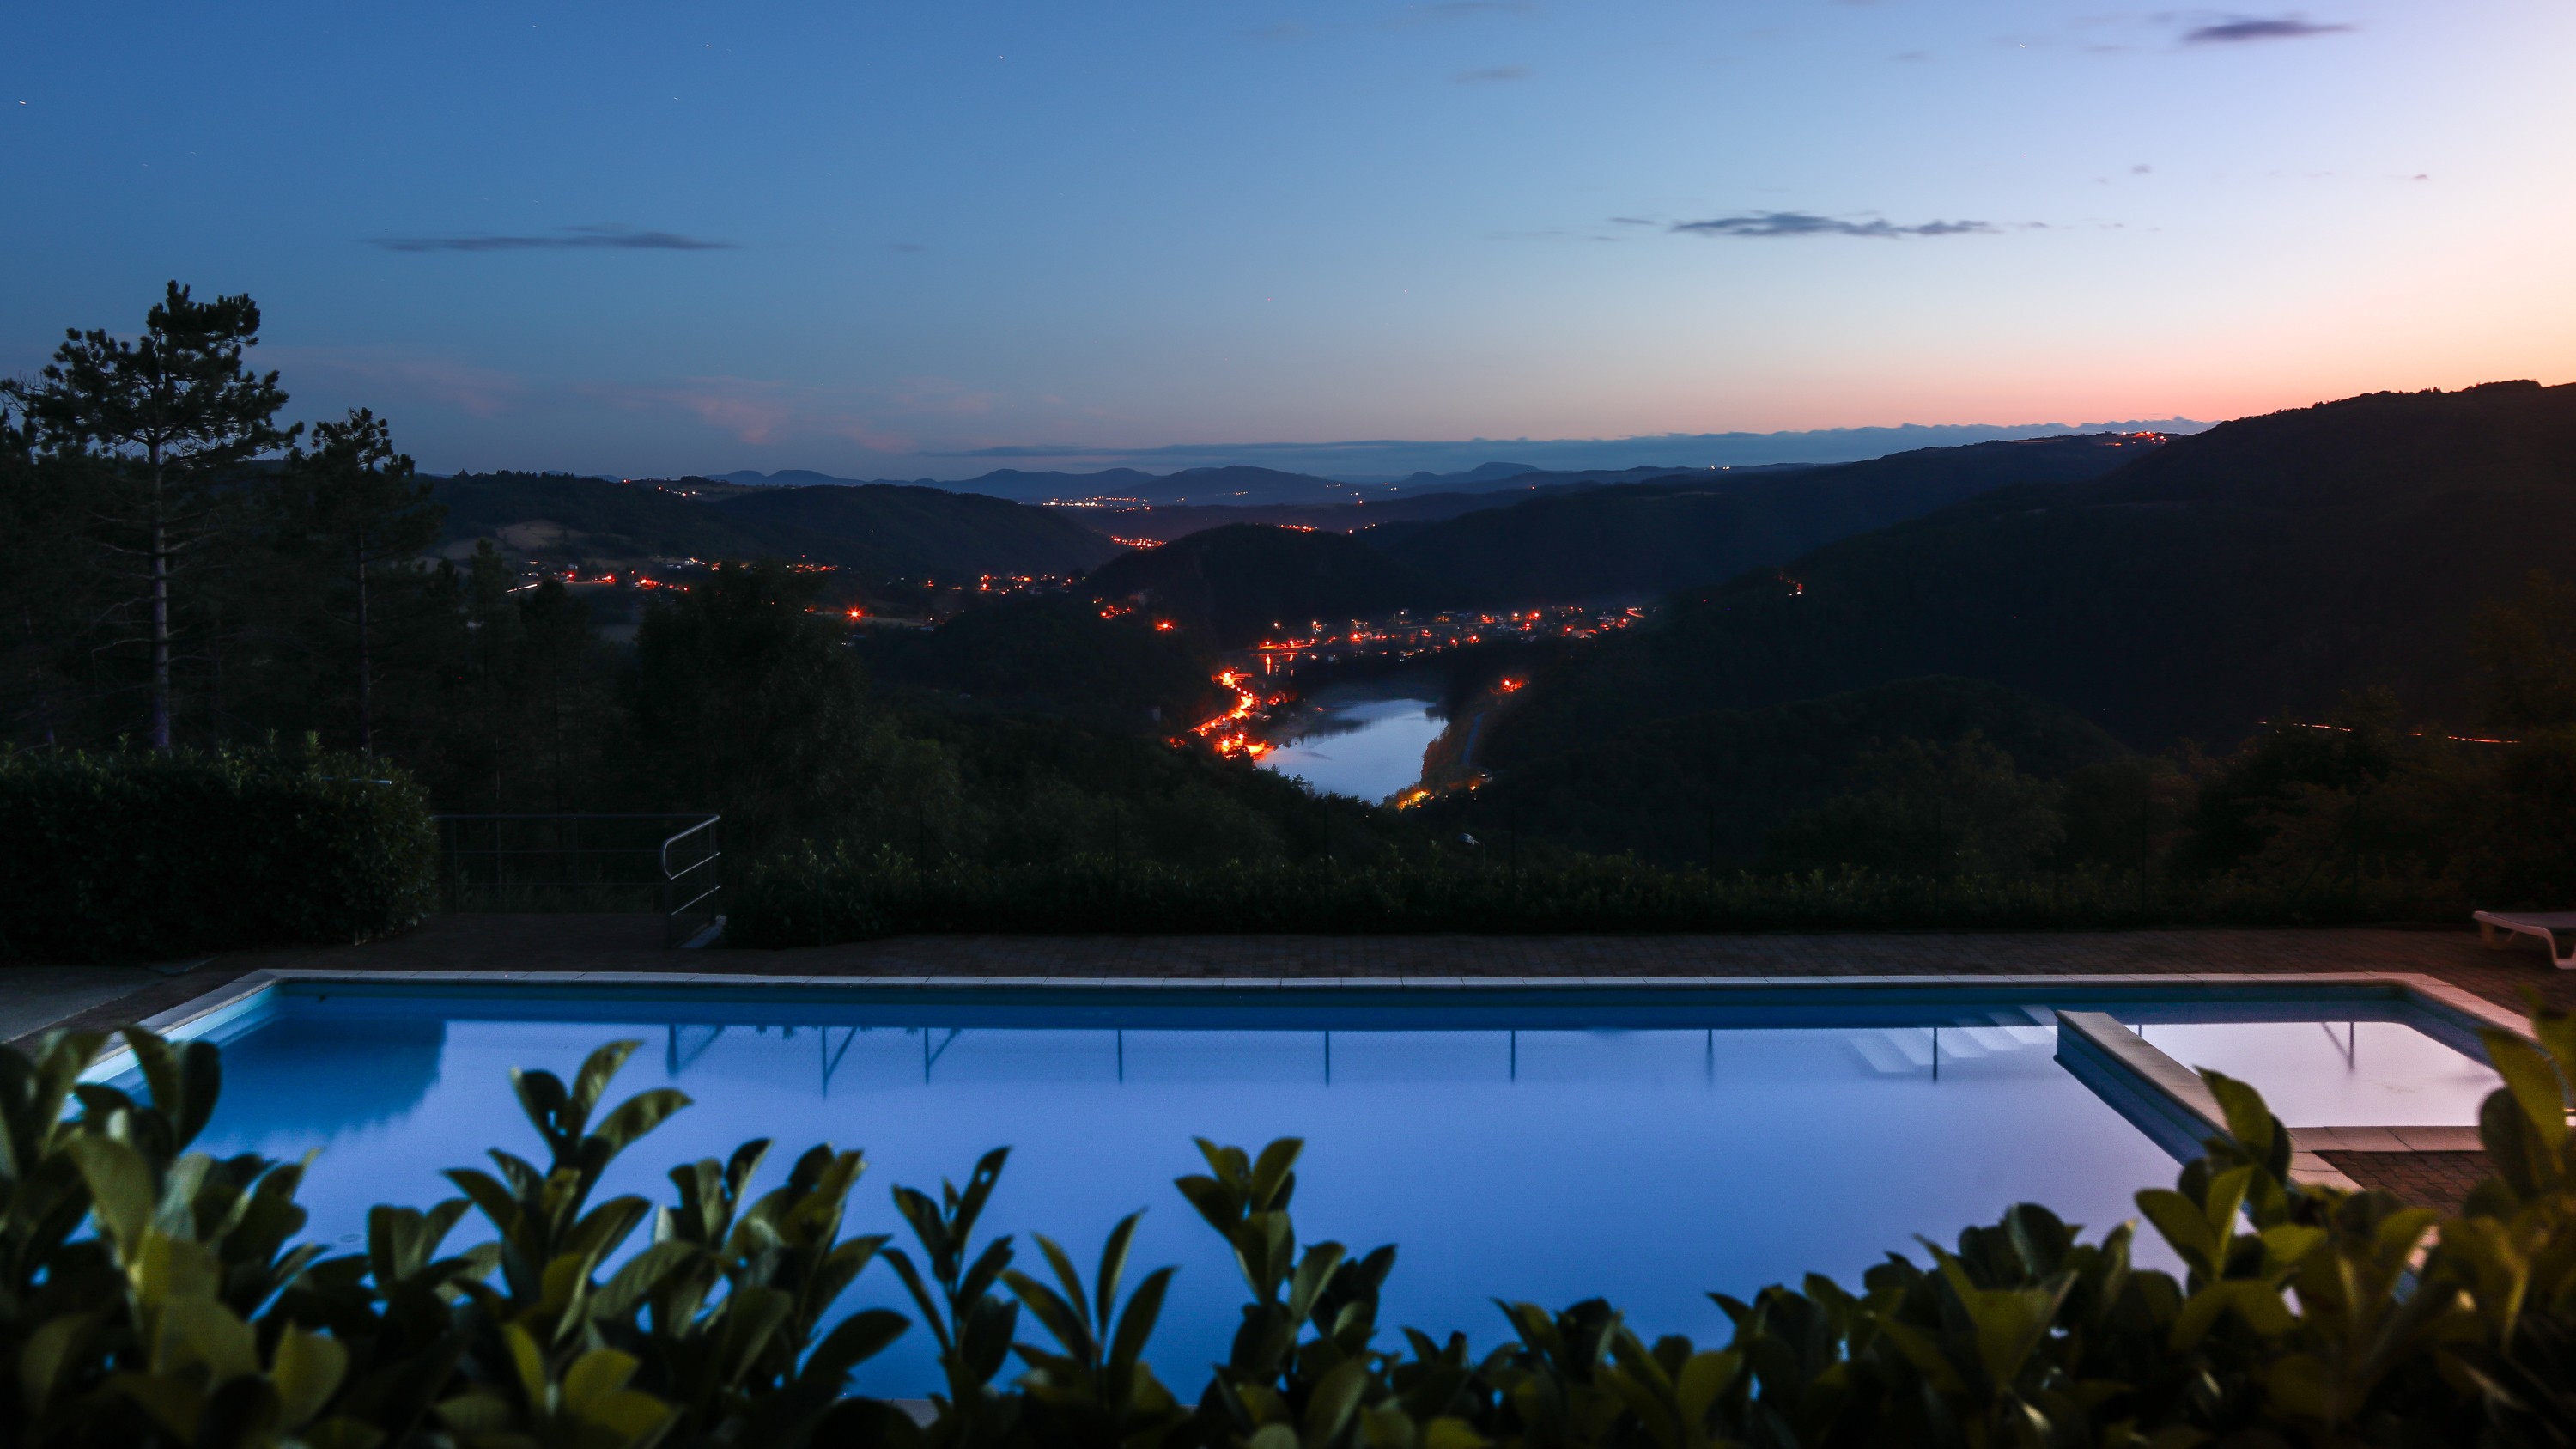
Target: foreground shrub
810,898
150,1296
137,854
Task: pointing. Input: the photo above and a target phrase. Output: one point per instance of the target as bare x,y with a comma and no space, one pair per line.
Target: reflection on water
1646,1165
1368,748
300,1069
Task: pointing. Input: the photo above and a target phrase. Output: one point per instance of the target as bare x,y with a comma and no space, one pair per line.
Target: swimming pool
1646,1145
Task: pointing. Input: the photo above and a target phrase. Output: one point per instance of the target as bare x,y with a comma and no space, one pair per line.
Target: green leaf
2533,1079
1113,1267
212,1335
307,1369
1272,1181
2248,1120
51,1351
174,1403
597,1070
1704,1378
1137,1324
638,1115
542,1098
1334,1400
120,1188
856,1339
1447,1432
1059,1318
489,1196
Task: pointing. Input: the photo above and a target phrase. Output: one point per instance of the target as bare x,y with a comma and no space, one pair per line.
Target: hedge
137,855
810,898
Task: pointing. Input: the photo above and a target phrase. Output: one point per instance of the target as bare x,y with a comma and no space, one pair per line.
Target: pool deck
36,999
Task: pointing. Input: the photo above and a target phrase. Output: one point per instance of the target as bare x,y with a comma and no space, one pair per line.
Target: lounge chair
2496,930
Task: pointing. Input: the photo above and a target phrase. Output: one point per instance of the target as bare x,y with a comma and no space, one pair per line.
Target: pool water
2337,1073
1648,1153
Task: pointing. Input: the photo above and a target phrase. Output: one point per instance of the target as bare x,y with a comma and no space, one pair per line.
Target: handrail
707,824
681,917
671,914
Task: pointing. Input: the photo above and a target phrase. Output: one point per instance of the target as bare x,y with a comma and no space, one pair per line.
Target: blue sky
884,240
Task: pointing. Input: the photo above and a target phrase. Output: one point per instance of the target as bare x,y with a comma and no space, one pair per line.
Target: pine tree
355,501
173,415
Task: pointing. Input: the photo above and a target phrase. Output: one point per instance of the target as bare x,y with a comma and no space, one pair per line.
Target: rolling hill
1572,542
916,531
1641,540
1054,654
2253,571
1243,581
880,531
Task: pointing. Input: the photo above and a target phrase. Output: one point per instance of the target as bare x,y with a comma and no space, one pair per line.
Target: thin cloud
1491,75
2287,27
571,238
1801,223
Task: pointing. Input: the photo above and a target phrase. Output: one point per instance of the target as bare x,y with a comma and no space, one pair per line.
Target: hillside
1645,539
1676,789
2253,571
1573,539
1053,654
559,518
915,531
1242,582
879,531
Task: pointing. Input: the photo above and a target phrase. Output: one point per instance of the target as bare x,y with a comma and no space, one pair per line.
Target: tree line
185,569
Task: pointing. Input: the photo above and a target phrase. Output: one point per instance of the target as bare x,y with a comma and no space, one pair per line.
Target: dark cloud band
1800,223
2284,28
572,238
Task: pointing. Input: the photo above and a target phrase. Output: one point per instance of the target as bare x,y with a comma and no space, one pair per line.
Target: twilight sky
898,240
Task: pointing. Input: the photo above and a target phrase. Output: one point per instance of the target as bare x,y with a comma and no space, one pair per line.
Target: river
1359,740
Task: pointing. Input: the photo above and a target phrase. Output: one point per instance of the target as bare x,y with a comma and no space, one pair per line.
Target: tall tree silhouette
356,501
174,415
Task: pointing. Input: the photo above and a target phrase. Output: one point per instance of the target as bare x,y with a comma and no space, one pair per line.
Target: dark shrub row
134,854
187,1315
810,898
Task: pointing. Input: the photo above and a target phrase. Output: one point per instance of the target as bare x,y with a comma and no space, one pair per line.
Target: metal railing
665,863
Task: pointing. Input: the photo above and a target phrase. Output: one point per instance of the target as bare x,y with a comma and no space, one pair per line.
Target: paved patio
34,999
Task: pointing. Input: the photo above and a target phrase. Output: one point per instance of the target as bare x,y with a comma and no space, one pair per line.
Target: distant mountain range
1395,460
1310,474
1235,485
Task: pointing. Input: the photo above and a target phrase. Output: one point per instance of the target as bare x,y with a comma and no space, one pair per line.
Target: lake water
1366,748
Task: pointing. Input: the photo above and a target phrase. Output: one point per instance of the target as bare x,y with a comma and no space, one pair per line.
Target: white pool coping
247,993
